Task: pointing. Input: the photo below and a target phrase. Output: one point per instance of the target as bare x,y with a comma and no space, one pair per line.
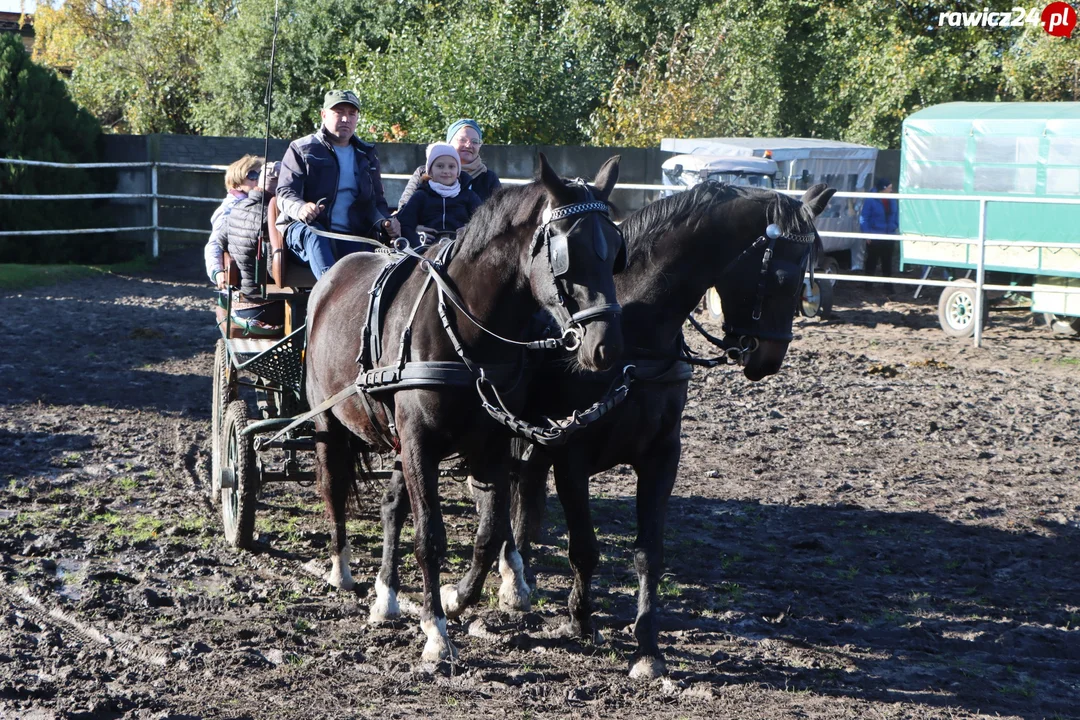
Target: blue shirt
347,188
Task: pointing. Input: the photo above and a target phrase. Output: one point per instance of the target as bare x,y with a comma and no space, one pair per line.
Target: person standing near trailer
880,216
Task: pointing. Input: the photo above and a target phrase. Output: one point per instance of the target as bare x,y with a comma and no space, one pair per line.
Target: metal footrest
283,363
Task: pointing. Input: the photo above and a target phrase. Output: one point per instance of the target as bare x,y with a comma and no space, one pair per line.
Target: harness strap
435,271
325,405
581,316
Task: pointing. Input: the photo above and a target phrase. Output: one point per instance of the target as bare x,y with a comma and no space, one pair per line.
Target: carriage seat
286,271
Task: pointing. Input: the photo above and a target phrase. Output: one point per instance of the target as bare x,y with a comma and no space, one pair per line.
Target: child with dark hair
440,205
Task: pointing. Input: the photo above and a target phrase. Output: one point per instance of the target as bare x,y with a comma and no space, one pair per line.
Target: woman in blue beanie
466,137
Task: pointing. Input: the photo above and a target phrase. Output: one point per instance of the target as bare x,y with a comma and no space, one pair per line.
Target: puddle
71,588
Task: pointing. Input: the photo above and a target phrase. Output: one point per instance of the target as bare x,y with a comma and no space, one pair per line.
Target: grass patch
15,276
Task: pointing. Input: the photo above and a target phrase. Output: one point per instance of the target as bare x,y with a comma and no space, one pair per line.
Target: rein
445,374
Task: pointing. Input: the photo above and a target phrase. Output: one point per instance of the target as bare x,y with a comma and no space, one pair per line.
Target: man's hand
392,227
220,279
309,212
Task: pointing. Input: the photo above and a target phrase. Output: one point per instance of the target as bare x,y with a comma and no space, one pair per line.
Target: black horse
542,245
754,247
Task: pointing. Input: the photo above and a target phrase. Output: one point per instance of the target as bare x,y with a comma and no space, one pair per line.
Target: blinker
559,250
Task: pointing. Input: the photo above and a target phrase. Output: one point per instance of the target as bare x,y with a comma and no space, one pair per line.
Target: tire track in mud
131,648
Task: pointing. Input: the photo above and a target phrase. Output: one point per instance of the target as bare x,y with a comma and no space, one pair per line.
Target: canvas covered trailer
800,163
996,151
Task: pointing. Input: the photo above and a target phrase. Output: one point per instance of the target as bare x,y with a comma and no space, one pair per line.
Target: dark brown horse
544,245
754,247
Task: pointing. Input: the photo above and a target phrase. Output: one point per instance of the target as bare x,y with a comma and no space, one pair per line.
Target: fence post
980,275
154,248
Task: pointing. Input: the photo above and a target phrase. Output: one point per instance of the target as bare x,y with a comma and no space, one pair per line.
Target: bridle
740,342
571,325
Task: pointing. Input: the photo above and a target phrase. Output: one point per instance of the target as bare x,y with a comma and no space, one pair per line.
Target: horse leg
528,501
395,505
336,477
656,477
572,485
422,481
493,538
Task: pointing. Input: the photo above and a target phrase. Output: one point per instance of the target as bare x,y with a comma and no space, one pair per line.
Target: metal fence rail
980,276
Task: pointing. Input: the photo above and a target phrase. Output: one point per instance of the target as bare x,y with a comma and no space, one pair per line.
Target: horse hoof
647,668
514,591
382,610
438,648
514,598
451,601
386,606
341,582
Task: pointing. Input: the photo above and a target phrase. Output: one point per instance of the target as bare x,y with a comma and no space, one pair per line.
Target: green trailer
1013,164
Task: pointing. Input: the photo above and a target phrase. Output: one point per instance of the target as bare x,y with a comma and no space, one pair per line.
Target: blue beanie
881,183
463,122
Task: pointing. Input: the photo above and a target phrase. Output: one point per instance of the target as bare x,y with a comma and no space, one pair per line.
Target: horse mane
508,208
643,228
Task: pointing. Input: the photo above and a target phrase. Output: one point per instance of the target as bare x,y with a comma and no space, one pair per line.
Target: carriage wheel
956,310
239,478
1062,324
224,392
713,304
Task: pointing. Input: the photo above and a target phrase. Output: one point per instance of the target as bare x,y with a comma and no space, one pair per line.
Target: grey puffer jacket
243,237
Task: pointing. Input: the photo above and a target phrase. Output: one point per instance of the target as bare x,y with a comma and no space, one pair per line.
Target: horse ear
556,188
606,177
817,197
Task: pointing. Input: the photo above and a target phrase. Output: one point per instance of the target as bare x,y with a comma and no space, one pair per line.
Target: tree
516,73
39,121
133,64
314,40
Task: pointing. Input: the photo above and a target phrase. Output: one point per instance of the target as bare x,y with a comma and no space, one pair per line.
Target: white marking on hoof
647,668
438,646
514,592
451,601
386,605
340,576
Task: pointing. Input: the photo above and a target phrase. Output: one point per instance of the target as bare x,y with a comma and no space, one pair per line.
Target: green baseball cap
337,97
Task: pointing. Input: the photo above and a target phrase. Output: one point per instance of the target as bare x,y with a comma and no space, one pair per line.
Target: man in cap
330,181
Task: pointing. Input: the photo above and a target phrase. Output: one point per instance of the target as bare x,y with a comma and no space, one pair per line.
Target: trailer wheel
1062,324
224,392
956,310
239,478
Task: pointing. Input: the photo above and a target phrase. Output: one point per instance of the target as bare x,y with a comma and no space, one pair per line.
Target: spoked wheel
239,478
1062,324
713,304
223,393
956,310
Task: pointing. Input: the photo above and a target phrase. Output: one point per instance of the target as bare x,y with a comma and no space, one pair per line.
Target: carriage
271,367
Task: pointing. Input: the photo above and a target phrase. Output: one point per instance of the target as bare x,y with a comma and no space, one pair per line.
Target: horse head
764,283
573,254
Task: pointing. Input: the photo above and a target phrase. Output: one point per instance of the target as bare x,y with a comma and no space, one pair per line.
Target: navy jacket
429,208
483,185
872,219
309,173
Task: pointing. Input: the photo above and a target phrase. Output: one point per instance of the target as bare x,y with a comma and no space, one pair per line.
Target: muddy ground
887,529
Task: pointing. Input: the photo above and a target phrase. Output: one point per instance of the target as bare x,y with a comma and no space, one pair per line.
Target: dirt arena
886,529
